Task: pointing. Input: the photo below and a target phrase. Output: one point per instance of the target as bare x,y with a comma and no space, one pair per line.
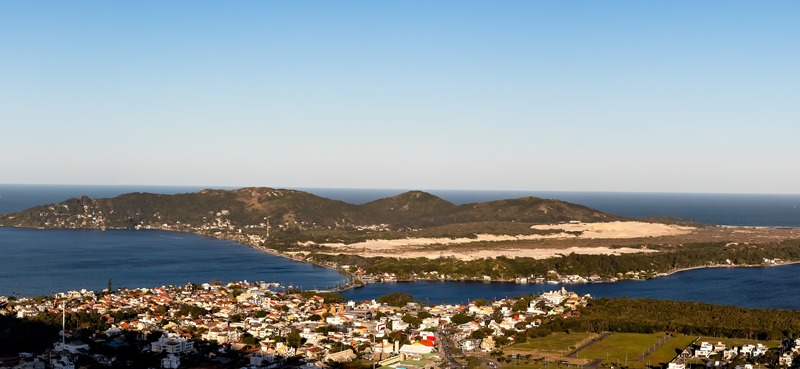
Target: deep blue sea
34,262
720,209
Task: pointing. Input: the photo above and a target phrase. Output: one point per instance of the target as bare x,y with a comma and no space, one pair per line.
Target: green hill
252,208
415,209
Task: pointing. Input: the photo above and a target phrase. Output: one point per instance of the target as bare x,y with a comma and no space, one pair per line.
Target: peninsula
416,235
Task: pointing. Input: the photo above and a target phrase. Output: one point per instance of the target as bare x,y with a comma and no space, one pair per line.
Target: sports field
557,343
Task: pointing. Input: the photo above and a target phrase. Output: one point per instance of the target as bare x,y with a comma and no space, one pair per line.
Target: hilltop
291,209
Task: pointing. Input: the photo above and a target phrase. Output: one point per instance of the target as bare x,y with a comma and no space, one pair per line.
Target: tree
249,339
520,305
461,318
397,299
479,334
414,321
293,339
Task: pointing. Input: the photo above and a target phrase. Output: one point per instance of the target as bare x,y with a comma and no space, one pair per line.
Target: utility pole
63,323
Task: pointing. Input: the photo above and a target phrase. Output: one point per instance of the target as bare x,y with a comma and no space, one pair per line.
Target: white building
555,297
172,344
170,362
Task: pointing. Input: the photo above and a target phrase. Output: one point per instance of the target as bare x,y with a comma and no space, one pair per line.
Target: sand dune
422,247
619,229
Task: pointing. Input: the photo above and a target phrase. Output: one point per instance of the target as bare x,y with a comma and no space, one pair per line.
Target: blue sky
679,96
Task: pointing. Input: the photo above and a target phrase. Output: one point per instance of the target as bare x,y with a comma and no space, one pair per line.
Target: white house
170,362
785,359
704,351
760,350
730,354
747,349
173,344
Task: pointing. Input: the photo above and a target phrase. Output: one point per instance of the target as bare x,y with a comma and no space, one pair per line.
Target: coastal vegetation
689,318
646,265
18,335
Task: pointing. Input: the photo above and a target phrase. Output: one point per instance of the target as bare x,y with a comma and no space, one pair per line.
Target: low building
172,344
341,356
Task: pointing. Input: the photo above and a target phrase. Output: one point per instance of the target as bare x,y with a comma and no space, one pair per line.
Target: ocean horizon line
401,190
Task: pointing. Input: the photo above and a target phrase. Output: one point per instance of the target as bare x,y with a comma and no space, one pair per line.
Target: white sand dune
420,247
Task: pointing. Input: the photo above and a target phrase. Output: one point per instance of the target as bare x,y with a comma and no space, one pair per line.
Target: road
445,346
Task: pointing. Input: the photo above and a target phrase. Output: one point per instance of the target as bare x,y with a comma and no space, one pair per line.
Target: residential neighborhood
257,325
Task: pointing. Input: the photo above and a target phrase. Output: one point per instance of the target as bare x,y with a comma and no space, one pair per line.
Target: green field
667,352
538,365
616,346
620,345
557,343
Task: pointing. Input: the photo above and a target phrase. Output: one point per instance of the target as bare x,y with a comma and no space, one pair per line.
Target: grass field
539,365
668,351
557,343
616,346
620,345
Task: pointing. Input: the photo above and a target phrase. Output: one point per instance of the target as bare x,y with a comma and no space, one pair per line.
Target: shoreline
350,284
680,270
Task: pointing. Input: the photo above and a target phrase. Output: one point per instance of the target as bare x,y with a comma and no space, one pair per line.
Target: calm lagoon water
768,288
40,262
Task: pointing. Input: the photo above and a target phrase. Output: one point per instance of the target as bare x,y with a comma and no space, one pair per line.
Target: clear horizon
678,97
310,188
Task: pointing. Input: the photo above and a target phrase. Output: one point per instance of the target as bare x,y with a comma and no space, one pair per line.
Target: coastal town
257,325
264,325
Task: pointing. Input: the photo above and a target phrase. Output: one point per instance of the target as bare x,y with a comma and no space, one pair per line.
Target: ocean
717,209
35,262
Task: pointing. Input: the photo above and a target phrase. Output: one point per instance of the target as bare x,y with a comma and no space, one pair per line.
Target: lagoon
40,262
776,287
37,262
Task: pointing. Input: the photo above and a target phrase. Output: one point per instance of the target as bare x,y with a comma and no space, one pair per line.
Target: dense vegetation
397,299
18,335
648,316
685,256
